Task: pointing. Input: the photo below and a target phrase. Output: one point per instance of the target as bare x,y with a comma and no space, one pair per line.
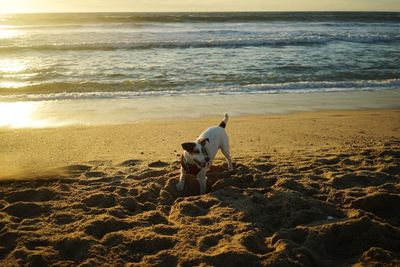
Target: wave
234,43
87,18
64,91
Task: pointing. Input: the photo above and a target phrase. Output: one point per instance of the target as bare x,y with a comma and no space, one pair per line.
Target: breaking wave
62,91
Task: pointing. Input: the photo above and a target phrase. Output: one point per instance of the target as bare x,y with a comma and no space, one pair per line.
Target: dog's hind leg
225,150
180,185
201,177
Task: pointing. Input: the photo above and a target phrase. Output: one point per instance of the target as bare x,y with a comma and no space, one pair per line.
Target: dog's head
197,152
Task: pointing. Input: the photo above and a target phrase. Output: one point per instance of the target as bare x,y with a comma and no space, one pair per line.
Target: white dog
198,155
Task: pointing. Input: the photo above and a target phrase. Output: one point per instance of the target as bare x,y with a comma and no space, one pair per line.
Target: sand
308,189
33,114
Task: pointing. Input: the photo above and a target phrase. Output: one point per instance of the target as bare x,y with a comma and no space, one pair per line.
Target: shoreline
58,113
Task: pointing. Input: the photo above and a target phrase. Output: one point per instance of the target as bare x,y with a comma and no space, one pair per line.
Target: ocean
86,56
123,55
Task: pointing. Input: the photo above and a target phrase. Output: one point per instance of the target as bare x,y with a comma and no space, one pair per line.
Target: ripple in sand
75,248
75,170
158,164
94,174
100,201
8,241
31,195
309,212
26,209
129,163
104,225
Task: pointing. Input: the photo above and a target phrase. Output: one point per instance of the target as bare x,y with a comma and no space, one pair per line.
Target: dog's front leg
201,177
180,185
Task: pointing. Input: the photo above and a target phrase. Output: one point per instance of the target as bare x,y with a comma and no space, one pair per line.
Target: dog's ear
203,141
189,147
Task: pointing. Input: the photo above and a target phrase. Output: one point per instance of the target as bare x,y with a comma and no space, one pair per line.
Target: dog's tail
225,121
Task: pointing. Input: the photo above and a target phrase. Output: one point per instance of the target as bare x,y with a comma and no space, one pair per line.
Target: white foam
282,88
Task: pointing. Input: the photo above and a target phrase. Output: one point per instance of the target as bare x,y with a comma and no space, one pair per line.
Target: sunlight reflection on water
6,33
12,65
11,68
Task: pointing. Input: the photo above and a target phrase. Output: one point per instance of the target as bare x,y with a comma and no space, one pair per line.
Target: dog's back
217,136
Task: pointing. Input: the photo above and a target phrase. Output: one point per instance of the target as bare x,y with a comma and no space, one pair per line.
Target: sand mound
26,209
100,201
31,195
104,225
324,209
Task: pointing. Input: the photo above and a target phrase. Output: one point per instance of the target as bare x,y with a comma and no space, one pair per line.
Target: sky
34,6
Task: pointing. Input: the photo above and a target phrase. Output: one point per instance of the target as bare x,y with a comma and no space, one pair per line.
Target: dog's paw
179,186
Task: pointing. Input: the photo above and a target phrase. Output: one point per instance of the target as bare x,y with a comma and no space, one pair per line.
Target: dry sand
308,189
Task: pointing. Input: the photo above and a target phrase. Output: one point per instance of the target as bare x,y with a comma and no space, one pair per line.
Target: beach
94,108
308,189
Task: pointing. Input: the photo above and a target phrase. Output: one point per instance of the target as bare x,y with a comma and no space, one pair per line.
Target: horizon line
246,11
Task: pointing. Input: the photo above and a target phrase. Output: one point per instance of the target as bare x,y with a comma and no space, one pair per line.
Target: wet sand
100,111
308,189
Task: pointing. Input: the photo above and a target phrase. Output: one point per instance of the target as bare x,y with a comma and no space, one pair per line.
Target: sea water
88,56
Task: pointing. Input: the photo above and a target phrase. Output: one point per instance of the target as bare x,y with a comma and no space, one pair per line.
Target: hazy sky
198,5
